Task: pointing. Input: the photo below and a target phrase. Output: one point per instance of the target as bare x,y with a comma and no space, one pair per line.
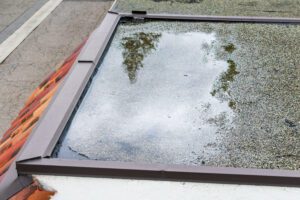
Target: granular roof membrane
263,8
188,93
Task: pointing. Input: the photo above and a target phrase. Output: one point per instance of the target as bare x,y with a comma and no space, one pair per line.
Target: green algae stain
232,104
213,93
224,82
136,48
228,76
230,48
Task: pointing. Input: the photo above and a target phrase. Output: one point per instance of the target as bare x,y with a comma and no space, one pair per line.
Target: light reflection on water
167,115
194,93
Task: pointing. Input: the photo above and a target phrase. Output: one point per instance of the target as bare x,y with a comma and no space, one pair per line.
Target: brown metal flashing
211,18
15,186
6,184
161,172
51,126
93,50
52,123
48,130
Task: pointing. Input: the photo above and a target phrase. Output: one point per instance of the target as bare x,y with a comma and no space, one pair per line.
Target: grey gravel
270,8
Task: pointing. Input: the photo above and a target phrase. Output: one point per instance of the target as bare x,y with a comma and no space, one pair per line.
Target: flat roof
35,158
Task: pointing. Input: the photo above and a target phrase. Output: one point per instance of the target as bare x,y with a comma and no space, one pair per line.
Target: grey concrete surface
56,37
20,20
12,9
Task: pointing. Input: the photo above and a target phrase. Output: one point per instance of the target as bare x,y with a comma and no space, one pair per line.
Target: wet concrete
10,10
202,94
42,52
271,8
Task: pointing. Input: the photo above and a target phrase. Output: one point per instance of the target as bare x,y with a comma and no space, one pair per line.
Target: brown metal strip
211,18
99,39
50,126
19,184
161,172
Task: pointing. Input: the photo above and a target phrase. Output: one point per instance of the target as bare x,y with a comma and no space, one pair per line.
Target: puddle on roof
136,48
195,94
267,8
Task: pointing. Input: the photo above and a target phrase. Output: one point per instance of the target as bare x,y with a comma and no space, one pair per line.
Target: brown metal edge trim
9,176
45,135
109,24
16,185
212,18
36,145
56,115
92,168
92,50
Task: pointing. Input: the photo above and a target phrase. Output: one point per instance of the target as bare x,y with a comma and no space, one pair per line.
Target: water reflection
206,95
168,115
136,48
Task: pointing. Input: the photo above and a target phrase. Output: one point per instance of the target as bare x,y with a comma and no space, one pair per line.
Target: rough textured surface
231,99
43,50
282,8
10,10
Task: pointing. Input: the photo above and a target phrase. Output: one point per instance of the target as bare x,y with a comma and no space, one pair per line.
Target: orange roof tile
33,192
15,137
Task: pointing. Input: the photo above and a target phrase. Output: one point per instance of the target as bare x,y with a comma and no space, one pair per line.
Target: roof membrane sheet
193,93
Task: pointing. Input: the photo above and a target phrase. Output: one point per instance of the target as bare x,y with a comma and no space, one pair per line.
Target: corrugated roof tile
15,137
